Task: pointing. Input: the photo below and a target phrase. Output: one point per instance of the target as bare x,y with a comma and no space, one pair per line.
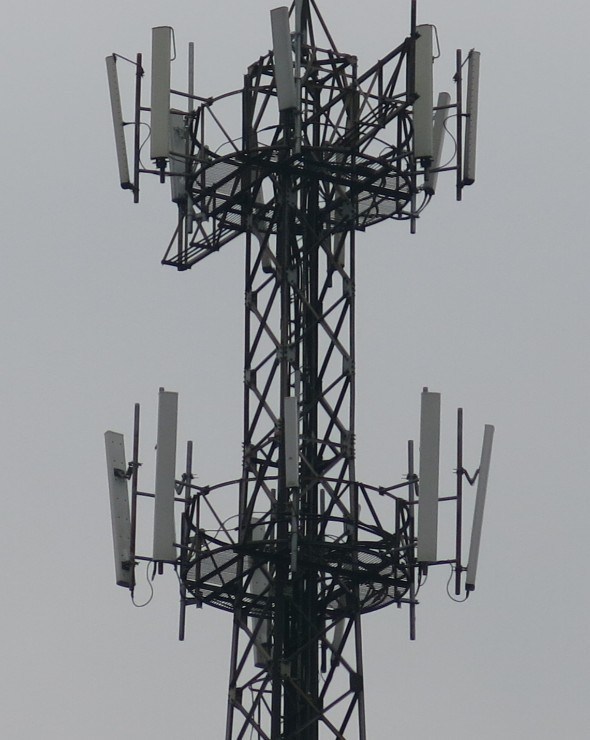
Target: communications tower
318,151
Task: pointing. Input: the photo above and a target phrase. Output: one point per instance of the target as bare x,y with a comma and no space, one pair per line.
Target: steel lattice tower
313,548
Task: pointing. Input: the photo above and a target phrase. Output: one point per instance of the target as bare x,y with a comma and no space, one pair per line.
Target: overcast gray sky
487,304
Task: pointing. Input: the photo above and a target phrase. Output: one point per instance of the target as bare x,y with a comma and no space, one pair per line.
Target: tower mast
300,294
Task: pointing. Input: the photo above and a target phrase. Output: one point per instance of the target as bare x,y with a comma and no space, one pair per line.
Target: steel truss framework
306,558
303,564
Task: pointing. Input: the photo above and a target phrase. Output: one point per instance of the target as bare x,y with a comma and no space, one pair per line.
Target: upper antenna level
382,145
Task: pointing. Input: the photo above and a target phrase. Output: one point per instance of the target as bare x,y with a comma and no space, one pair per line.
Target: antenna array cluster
323,151
382,148
174,495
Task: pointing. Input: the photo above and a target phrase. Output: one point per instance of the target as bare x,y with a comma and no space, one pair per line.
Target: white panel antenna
283,59
438,137
428,477
177,157
338,635
259,586
118,124
165,490
160,94
291,441
119,498
471,109
423,105
480,500
259,228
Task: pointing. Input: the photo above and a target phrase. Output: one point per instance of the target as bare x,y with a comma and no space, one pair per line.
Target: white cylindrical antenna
177,157
119,498
480,500
471,106
118,124
164,530
160,96
191,76
283,59
438,137
423,105
428,477
291,441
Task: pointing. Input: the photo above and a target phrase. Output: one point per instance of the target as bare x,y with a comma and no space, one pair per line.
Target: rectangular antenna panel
480,500
119,497
438,137
423,105
260,579
283,59
291,441
160,95
177,157
118,124
338,636
259,585
428,477
471,107
165,490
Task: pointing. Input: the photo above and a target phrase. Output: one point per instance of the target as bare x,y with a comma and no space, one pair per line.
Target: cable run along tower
323,151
